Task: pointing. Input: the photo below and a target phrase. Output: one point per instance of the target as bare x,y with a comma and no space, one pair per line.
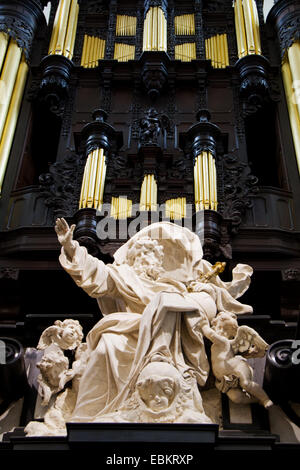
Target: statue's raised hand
65,236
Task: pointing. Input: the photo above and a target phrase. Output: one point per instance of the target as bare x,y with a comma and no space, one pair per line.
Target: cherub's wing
47,337
248,343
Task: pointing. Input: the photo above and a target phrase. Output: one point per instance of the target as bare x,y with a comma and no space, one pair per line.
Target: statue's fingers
72,228
65,225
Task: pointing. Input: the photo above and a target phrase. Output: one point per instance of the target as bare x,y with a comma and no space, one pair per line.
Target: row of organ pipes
92,190
64,29
14,69
155,35
291,79
13,74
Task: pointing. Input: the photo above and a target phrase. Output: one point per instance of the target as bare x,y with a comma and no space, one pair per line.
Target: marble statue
145,360
231,345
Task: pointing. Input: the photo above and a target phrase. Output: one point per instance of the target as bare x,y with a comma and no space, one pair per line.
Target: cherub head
225,324
66,334
157,385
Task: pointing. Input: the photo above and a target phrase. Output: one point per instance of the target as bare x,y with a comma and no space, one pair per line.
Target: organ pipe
11,120
121,207
185,52
125,25
205,182
247,27
216,50
155,30
64,29
184,25
93,50
292,99
176,208
93,182
148,200
124,52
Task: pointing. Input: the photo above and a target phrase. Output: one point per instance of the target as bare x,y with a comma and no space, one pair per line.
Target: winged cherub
231,346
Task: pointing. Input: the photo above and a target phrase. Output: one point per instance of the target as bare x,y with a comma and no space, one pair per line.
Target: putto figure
231,345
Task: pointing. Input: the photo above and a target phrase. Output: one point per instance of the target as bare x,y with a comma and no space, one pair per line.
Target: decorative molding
61,185
238,185
20,20
285,18
163,4
9,273
291,274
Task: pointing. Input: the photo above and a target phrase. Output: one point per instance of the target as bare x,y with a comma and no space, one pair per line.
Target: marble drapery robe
143,317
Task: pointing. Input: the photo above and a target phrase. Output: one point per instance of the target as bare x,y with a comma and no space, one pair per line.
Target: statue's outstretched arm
65,236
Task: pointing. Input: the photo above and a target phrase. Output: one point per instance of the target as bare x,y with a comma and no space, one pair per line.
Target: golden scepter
217,268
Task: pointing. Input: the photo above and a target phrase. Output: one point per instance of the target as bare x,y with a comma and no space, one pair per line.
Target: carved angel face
225,324
157,392
70,334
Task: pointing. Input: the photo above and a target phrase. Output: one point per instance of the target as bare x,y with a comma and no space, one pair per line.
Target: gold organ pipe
86,179
292,107
55,29
255,22
215,199
240,29
100,179
205,182
121,207
82,63
91,180
124,52
8,78
92,188
125,25
249,26
294,59
216,50
226,50
175,209
155,30
62,26
92,51
148,198
88,49
71,30
4,38
12,118
185,25
185,52
64,29
211,180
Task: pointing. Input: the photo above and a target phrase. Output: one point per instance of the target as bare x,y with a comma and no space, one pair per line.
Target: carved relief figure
150,127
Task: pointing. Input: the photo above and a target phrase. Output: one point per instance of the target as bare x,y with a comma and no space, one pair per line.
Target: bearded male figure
150,312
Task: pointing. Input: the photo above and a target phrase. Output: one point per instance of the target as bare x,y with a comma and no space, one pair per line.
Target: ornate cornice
20,19
285,18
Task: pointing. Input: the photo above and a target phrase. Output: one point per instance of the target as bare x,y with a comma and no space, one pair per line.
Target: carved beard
147,271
